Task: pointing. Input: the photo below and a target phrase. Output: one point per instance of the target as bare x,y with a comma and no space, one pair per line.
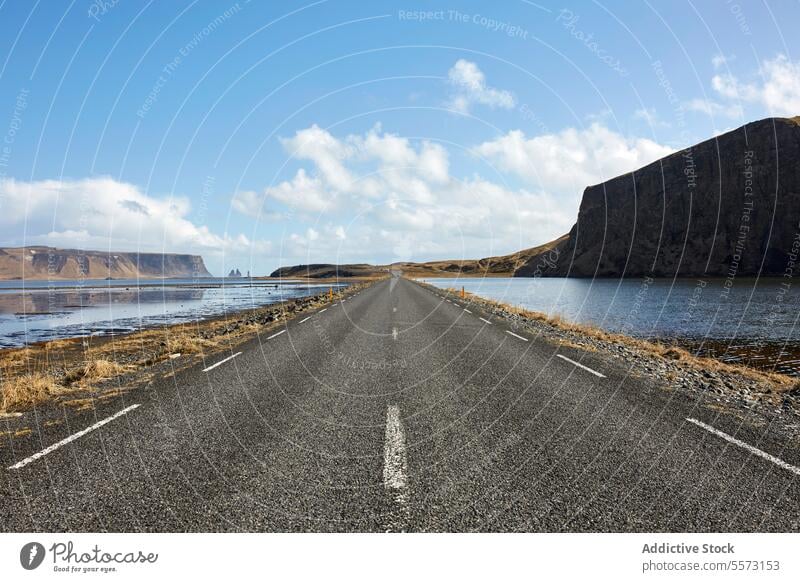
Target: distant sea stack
729,206
52,263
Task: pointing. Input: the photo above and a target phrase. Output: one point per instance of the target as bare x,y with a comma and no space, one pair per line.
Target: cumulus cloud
777,90
105,213
572,159
360,194
470,87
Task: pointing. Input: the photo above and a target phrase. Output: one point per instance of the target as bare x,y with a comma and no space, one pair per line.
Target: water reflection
42,310
750,321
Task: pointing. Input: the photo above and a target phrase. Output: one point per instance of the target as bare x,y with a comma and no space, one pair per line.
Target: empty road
401,409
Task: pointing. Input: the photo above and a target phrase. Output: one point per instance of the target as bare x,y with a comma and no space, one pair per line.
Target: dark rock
725,207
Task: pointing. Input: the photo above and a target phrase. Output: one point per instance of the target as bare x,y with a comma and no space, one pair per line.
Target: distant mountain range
728,206
52,263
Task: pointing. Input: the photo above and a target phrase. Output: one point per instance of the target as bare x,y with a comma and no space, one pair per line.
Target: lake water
33,311
754,322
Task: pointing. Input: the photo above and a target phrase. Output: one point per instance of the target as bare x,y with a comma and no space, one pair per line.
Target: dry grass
189,344
771,381
26,390
95,371
43,372
102,370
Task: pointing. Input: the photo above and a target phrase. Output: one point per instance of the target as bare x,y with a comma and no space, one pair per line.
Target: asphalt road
402,409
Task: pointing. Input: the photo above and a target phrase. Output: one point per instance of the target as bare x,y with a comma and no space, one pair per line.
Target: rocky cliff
52,263
729,206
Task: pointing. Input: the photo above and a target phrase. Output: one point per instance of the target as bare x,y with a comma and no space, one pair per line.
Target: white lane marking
323,310
485,320
212,366
395,465
517,336
574,363
394,309
394,333
750,448
467,310
274,335
305,320
73,437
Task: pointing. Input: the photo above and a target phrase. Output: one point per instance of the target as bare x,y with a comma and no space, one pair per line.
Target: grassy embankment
70,371
575,335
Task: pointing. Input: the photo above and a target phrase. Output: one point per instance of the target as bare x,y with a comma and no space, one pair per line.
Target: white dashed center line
758,452
73,437
274,335
467,310
394,333
517,336
581,366
485,320
323,310
212,366
395,465
306,319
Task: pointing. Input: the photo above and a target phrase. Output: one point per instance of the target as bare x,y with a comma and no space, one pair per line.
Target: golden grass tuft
102,370
95,370
26,390
189,344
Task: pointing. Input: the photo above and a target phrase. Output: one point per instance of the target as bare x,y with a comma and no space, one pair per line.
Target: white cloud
327,153
777,90
470,86
399,194
103,213
572,159
358,197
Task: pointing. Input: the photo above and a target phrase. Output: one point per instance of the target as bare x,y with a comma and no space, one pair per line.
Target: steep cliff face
729,206
50,263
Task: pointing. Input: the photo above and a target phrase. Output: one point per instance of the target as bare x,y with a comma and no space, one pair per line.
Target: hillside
52,263
728,206
500,266
327,271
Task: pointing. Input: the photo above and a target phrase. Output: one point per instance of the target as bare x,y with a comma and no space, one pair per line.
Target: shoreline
77,372
733,387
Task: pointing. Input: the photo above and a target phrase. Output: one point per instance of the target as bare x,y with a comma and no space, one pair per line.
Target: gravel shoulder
749,394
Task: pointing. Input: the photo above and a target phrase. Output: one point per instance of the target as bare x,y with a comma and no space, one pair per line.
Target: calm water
35,311
751,321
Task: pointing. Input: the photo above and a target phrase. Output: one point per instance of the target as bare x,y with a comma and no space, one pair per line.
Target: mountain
52,263
501,266
327,271
728,206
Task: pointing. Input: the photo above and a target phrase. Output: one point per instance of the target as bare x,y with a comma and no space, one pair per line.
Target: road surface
401,409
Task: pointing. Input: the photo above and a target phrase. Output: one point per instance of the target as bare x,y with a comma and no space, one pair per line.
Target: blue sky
261,134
